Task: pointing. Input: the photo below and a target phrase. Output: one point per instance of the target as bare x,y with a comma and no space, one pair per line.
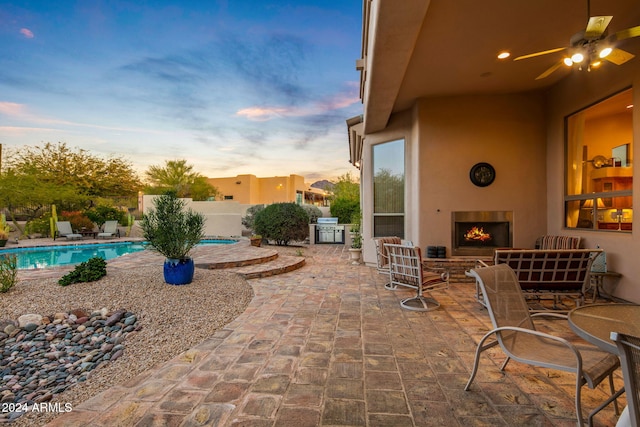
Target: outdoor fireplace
478,233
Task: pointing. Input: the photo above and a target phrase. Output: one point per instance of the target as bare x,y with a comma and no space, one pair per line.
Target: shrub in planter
173,231
283,223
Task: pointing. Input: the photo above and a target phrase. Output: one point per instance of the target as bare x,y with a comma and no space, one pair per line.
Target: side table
596,282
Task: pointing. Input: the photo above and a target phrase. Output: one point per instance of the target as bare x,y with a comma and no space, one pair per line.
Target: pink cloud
27,33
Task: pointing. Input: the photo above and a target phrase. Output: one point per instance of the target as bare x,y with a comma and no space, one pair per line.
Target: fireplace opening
479,233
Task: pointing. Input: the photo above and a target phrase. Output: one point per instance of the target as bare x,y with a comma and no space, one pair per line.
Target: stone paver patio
327,345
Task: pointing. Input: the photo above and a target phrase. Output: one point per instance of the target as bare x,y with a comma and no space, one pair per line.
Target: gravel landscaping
168,320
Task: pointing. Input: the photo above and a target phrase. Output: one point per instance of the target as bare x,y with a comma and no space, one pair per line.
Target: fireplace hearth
478,233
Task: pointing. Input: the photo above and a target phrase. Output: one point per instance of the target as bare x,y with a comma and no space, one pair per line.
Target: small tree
102,213
249,219
282,222
344,209
314,213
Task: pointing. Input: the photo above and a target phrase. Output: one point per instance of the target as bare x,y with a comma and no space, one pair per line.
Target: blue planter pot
178,271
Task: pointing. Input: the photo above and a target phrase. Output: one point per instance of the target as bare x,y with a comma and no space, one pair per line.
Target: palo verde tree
179,177
90,176
73,179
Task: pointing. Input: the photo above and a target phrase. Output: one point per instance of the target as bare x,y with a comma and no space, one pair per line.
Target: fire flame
477,233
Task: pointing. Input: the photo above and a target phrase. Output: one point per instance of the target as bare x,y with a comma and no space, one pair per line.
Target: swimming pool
55,256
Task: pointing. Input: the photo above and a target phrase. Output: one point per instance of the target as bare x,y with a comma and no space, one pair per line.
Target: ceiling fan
589,47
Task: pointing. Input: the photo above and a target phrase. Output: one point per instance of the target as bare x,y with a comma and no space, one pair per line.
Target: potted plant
256,240
173,231
356,239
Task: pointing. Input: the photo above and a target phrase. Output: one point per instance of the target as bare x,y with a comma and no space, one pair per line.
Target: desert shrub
249,218
39,225
283,223
8,272
102,213
78,220
88,271
344,209
313,212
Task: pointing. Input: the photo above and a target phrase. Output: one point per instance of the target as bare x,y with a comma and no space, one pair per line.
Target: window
599,166
228,197
388,189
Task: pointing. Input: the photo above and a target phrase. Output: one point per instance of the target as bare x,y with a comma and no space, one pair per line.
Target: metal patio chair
382,256
629,350
514,331
405,269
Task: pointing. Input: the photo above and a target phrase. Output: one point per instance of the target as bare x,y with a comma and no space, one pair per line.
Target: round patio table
595,322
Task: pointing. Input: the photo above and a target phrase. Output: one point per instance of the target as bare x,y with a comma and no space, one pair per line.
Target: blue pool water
54,256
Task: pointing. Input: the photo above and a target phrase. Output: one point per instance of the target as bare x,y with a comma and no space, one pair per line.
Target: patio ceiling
447,48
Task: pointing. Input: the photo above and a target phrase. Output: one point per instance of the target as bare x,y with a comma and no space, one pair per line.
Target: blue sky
235,87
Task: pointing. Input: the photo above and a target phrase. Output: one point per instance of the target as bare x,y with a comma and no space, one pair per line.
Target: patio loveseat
549,273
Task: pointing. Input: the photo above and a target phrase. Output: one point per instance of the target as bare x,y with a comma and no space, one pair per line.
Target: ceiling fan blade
628,33
619,56
550,70
597,26
544,52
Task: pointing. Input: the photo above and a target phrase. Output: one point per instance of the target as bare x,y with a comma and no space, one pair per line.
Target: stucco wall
445,137
222,219
455,133
572,94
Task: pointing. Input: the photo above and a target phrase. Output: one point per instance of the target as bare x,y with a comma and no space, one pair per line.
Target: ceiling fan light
605,52
567,61
577,58
596,64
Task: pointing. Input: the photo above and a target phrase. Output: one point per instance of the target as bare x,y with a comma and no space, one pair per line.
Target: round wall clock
482,174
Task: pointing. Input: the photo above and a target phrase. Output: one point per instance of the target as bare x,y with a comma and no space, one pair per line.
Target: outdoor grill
328,231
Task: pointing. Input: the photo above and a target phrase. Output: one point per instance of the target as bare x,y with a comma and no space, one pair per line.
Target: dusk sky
234,87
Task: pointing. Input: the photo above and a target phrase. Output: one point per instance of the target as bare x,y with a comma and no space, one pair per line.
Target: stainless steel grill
328,231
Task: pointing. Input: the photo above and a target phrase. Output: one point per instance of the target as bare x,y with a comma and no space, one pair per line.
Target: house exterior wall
444,138
221,219
248,189
567,97
455,133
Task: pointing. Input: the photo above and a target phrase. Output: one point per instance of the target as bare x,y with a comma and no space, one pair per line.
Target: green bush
89,271
250,216
313,212
78,220
283,223
39,225
344,209
8,272
102,213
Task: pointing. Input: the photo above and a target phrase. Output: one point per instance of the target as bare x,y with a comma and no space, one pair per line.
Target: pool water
55,256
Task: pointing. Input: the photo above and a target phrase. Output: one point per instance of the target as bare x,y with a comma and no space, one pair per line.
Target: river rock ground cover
155,322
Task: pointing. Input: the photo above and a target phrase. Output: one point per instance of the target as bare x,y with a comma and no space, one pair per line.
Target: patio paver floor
327,345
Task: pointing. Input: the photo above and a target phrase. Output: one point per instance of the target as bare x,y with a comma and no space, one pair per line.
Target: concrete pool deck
327,345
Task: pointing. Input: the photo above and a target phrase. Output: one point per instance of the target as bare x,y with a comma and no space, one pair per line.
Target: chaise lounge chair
109,231
64,230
